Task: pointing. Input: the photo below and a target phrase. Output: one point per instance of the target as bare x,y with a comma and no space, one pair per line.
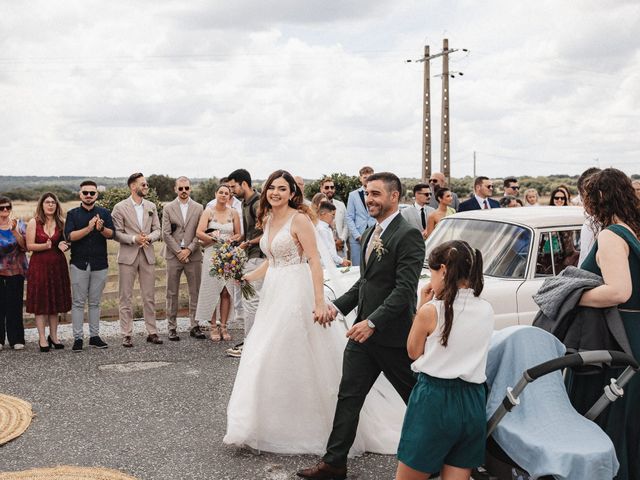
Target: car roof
535,217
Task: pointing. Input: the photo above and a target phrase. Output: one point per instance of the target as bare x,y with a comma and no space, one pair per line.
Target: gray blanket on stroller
544,434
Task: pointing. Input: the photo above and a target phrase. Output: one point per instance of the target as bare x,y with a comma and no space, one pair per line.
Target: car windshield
504,246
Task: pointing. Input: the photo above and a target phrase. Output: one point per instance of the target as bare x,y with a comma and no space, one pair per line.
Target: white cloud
200,88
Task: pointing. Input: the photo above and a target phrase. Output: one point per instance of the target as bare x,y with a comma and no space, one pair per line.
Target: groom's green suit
386,295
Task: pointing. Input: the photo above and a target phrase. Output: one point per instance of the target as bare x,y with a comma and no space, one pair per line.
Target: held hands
324,314
425,234
142,240
360,332
345,263
183,256
63,246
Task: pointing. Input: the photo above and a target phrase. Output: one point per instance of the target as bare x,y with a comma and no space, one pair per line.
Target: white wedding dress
285,392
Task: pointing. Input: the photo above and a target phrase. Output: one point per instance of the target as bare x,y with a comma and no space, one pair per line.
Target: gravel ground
153,411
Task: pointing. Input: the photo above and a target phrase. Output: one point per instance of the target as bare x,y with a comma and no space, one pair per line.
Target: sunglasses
489,186
433,180
428,194
327,187
143,185
88,193
514,188
6,208
560,198
184,189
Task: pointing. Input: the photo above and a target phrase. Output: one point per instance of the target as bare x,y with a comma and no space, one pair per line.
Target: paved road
165,422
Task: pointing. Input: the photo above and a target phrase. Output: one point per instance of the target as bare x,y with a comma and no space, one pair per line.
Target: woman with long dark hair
611,203
559,197
48,285
444,427
287,360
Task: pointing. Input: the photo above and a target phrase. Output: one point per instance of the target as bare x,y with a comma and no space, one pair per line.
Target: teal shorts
445,424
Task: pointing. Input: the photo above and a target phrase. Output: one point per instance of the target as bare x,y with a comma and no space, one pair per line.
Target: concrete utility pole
426,121
445,157
444,132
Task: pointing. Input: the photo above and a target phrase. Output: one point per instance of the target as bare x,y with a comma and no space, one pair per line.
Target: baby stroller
544,437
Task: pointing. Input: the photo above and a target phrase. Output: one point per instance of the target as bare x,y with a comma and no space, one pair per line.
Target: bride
284,396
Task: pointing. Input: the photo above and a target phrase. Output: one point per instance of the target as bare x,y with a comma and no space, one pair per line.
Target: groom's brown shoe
323,471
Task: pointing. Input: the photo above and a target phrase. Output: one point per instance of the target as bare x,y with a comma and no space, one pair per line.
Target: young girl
445,423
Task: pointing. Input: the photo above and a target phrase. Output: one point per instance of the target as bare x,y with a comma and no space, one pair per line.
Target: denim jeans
87,287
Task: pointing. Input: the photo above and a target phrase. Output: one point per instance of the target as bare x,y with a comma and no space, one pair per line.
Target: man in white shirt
328,187
418,214
326,217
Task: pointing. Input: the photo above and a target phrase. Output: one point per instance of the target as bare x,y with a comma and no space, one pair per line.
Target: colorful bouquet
227,263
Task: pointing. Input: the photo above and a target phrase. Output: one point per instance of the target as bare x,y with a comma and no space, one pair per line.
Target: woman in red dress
48,286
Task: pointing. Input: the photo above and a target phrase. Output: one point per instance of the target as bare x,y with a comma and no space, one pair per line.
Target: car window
504,246
556,251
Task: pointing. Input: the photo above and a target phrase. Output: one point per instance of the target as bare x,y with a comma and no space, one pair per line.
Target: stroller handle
595,357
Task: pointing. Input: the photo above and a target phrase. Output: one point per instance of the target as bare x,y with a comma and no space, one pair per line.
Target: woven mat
15,417
66,473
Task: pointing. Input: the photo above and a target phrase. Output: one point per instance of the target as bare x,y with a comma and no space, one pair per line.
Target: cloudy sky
199,87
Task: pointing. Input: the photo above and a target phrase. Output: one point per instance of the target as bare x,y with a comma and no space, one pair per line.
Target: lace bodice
284,250
225,229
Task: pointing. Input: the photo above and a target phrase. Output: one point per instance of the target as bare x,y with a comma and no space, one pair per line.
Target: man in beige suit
136,227
183,254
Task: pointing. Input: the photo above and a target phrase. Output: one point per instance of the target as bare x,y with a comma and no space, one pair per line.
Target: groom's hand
360,332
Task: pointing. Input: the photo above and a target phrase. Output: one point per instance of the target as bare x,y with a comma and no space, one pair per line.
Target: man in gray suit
183,254
418,213
136,227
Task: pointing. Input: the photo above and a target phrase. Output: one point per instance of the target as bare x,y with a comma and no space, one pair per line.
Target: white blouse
465,355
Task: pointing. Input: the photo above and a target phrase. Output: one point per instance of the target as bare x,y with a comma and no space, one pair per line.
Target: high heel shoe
224,333
57,346
45,348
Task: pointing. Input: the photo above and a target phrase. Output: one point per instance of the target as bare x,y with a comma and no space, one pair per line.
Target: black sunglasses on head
88,194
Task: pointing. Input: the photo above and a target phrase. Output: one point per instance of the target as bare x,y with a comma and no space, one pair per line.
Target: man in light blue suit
358,218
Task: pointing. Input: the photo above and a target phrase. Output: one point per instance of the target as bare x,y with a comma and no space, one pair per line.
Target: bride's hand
321,314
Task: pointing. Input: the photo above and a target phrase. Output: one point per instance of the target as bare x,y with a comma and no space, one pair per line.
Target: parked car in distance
520,248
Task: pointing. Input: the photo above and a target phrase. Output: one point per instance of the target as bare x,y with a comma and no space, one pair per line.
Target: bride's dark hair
297,201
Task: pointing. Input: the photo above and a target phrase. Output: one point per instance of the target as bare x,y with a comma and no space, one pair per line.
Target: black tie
424,221
362,198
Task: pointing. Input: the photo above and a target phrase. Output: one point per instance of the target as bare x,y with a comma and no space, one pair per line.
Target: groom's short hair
391,181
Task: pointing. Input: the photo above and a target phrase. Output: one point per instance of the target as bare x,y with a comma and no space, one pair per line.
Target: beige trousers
193,271
146,277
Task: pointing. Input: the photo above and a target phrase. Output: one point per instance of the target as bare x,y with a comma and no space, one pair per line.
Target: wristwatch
370,324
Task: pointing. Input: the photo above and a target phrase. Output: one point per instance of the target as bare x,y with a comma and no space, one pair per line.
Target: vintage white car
520,248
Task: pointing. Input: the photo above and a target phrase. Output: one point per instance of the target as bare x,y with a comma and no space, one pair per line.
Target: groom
392,255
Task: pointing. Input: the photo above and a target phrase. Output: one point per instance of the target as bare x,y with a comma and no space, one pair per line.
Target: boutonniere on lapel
378,247
150,213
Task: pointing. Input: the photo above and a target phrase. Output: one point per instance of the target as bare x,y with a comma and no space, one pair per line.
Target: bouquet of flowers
227,263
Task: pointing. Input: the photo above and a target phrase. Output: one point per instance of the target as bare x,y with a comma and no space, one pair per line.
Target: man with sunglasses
87,228
481,199
511,187
183,254
418,214
136,228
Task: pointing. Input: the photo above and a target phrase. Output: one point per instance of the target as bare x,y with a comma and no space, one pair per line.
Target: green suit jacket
386,292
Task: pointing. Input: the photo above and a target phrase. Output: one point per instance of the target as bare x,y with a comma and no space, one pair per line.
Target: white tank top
465,355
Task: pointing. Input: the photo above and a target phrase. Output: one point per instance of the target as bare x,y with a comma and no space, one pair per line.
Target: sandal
215,335
225,334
